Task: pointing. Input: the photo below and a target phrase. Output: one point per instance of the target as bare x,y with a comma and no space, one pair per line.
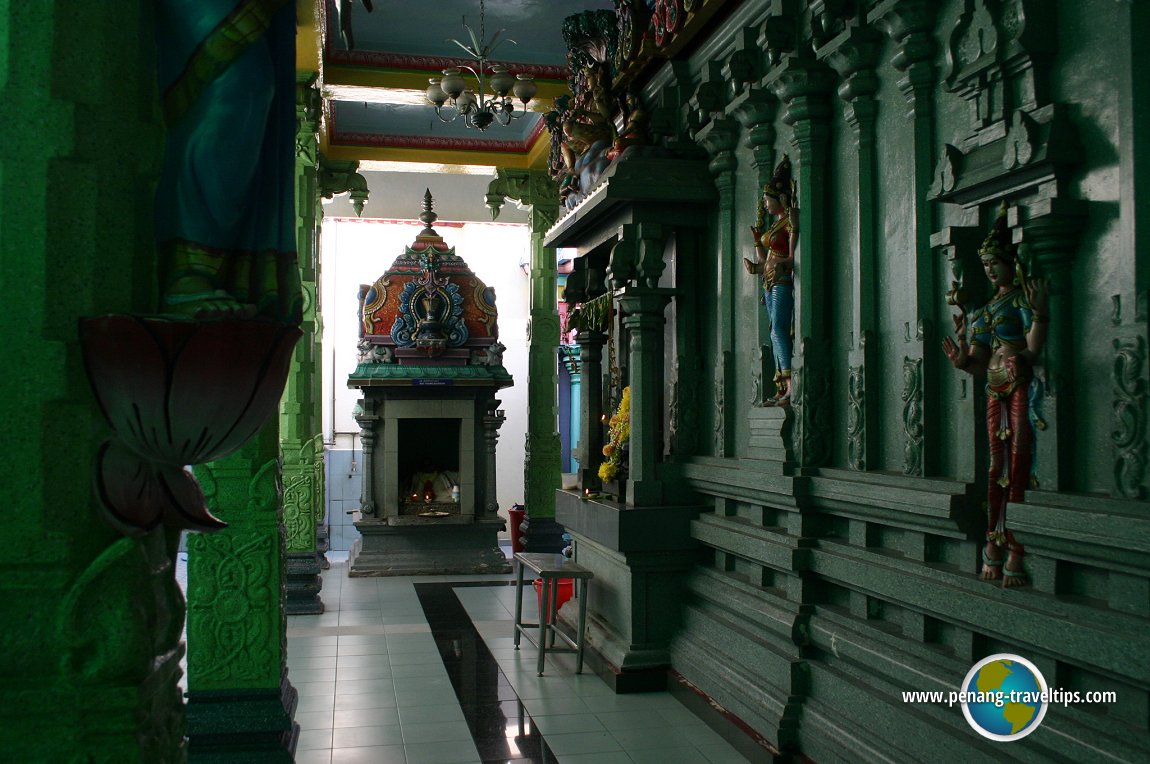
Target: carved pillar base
639,556
303,584
322,547
243,725
543,535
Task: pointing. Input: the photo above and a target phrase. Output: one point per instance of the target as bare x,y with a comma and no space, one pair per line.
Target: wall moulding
1041,148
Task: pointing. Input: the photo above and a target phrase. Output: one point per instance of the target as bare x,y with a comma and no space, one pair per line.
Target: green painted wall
90,649
834,581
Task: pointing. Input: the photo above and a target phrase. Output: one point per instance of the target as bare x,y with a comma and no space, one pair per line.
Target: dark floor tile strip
488,700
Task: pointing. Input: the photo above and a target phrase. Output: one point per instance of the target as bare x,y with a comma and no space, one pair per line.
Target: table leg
544,609
518,601
553,613
582,635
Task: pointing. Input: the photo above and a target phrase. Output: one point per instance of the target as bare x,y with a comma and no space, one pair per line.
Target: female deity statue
775,257
225,215
1006,336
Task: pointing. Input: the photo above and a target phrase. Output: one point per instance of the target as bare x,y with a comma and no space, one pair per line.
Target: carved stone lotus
177,393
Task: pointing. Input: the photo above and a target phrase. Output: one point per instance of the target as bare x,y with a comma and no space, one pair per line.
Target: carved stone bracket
308,107
342,177
621,265
778,36
177,393
719,138
528,187
854,57
959,246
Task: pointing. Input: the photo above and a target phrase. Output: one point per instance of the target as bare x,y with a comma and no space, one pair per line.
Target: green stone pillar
720,138
1051,236
90,649
590,447
803,87
854,59
299,428
331,178
755,110
542,469
910,24
240,702
644,321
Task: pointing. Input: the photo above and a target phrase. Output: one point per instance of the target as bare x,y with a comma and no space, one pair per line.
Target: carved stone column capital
1051,234
530,187
719,139
854,59
803,86
340,177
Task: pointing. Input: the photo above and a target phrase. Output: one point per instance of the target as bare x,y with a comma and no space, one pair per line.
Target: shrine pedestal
437,546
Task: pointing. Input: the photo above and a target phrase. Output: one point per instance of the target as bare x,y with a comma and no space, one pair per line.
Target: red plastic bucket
565,587
515,519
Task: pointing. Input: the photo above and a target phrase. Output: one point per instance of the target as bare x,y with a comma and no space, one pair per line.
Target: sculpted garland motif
912,427
856,421
238,614
1129,418
812,420
299,517
682,408
318,504
720,429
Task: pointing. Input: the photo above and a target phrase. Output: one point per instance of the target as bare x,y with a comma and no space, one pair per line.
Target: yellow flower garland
620,433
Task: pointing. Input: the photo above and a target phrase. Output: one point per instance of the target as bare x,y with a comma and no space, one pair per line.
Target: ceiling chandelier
477,109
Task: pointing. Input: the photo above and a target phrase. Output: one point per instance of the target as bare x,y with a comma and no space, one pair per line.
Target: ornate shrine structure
430,366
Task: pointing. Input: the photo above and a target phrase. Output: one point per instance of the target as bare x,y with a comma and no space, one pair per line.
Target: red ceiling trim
426,142
382,60
432,142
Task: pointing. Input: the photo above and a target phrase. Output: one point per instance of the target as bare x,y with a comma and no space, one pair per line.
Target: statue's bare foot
195,297
991,562
1013,574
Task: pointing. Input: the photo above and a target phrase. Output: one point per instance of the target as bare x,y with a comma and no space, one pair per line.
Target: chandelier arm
474,53
481,110
439,113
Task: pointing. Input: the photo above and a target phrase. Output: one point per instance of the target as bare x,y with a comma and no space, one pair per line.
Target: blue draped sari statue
225,216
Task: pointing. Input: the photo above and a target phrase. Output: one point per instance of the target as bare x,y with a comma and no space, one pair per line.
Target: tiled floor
422,670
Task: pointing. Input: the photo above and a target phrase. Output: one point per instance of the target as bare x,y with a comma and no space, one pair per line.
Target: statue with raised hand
1005,338
774,263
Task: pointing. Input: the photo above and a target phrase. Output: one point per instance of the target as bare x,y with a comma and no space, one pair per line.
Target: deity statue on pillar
1005,338
774,262
225,215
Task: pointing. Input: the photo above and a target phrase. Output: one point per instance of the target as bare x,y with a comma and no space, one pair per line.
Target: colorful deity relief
429,303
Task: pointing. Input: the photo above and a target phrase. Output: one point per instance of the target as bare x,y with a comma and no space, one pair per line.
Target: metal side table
550,568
